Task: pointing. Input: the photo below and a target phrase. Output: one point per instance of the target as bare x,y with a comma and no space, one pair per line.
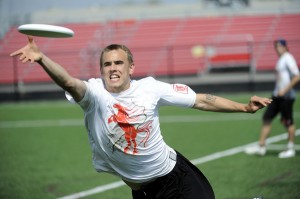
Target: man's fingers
263,104
30,39
257,103
22,57
25,60
15,53
264,101
20,51
260,102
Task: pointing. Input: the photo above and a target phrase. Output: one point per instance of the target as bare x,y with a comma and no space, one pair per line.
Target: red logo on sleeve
179,88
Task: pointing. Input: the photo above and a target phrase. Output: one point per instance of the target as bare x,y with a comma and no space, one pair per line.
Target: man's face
280,49
116,70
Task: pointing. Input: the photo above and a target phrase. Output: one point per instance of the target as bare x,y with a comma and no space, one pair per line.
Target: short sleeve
88,100
175,95
292,65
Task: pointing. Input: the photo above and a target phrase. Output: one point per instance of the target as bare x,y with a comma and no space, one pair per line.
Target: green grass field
44,152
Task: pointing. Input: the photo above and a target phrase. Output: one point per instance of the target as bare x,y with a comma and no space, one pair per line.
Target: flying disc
44,30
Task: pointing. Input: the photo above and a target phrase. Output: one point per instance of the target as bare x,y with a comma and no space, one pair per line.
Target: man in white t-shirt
122,121
287,76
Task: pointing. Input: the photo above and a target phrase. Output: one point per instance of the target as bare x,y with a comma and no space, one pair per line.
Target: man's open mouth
114,77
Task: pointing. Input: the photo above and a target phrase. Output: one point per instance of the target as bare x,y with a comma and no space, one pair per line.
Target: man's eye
118,62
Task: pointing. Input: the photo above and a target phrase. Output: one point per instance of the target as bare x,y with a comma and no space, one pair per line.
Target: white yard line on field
197,161
163,119
79,122
41,123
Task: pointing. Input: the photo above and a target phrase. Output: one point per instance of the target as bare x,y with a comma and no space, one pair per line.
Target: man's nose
113,66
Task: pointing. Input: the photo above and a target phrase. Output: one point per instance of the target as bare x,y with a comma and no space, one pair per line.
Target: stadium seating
160,46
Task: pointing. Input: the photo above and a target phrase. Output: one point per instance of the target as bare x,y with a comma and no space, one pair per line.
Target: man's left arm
208,102
293,69
295,79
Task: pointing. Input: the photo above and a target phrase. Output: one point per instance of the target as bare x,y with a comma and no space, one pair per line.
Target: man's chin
112,82
114,88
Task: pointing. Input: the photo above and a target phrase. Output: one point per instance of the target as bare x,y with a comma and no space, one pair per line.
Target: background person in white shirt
121,117
287,76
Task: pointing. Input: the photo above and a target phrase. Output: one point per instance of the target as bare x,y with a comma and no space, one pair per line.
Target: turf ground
44,152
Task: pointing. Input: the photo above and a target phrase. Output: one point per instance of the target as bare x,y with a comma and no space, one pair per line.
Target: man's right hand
30,52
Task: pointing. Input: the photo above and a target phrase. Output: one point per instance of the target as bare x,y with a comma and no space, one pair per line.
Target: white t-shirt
124,130
286,68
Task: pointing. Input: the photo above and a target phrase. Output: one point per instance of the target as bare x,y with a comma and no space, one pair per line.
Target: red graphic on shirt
180,88
125,122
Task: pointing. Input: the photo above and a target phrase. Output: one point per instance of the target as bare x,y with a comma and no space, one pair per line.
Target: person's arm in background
295,79
291,66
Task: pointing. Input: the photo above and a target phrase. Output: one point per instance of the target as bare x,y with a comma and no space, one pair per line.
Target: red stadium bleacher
65,51
160,46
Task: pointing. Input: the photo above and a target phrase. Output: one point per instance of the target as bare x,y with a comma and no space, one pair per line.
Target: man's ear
131,68
101,72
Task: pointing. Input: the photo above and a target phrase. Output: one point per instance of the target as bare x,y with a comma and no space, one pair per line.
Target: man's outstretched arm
208,102
60,76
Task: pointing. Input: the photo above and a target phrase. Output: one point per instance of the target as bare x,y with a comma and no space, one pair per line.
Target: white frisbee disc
44,30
